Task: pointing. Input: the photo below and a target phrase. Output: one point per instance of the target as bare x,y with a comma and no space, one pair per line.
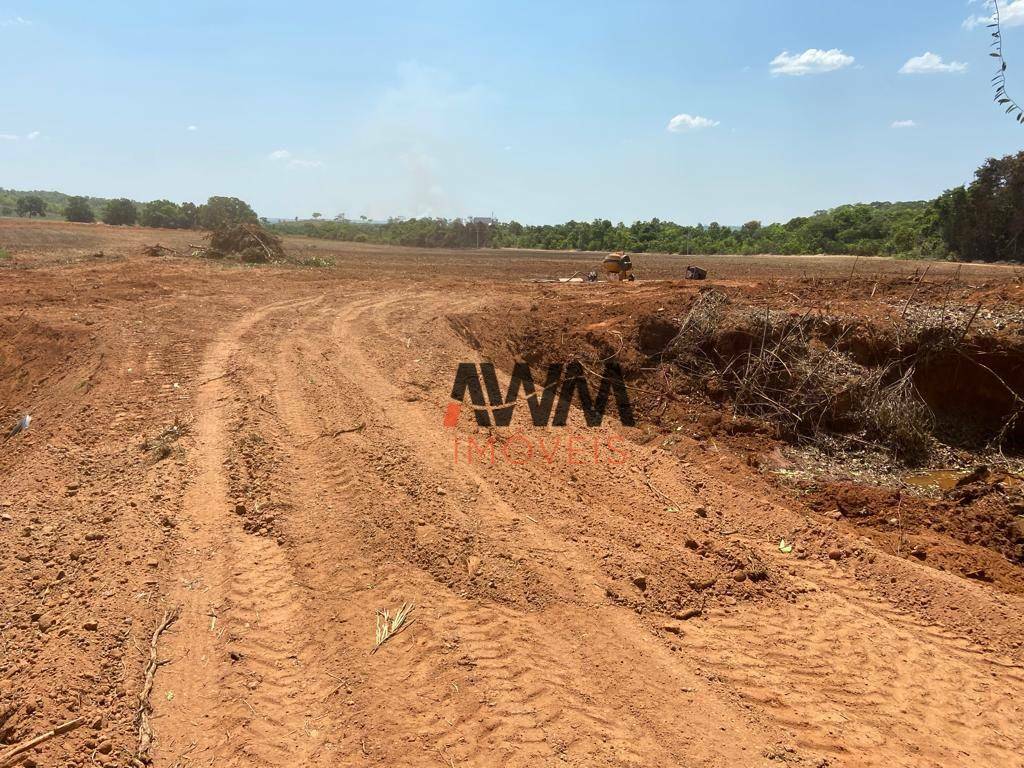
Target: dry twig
10,756
145,707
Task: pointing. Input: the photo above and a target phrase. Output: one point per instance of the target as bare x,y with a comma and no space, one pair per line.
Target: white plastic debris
21,426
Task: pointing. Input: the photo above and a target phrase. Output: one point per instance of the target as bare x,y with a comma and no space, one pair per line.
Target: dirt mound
248,242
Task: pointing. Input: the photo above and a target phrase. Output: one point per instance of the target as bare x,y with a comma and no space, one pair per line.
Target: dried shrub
775,367
896,416
703,320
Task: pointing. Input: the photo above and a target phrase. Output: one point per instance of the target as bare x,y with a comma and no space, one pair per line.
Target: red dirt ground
569,611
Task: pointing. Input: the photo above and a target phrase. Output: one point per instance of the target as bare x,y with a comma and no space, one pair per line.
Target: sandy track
522,650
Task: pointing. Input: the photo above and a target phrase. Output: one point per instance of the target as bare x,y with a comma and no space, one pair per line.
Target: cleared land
264,447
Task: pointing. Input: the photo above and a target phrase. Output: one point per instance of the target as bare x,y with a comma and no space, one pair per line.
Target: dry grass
388,626
161,446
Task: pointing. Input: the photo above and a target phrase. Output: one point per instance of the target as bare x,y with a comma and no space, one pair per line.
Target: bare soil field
232,469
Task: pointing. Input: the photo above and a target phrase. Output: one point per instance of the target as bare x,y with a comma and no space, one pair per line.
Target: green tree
78,209
985,220
189,216
161,213
221,211
121,211
31,205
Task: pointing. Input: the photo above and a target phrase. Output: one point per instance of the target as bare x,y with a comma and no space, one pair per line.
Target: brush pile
796,373
158,250
249,243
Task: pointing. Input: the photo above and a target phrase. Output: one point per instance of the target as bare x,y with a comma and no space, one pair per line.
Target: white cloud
17,21
810,62
1010,15
684,122
904,124
15,137
293,162
192,128
929,64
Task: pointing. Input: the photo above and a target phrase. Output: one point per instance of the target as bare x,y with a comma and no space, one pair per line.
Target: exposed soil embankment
913,375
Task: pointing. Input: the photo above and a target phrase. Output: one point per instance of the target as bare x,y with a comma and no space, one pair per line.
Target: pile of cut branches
250,243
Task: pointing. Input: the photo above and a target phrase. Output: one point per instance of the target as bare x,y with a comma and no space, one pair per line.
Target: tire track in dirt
527,659
861,688
235,692
859,701
474,681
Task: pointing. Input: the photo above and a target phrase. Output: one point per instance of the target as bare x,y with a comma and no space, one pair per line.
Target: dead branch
358,428
270,256
145,707
665,496
8,758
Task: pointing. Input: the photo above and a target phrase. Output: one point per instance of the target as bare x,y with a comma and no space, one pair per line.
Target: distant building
483,220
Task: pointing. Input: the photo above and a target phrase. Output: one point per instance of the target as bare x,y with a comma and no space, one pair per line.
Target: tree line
212,214
982,221
866,229
124,212
979,221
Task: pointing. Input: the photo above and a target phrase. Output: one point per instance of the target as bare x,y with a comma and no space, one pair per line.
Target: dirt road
568,610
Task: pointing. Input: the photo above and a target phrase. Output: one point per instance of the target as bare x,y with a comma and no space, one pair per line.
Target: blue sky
537,111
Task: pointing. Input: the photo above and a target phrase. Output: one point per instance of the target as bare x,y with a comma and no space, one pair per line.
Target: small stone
91,625
640,581
472,565
692,613
690,543
94,536
835,554
701,512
